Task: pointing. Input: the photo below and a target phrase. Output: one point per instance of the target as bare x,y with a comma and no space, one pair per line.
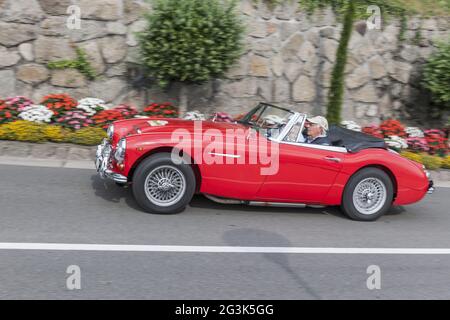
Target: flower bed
23,130
7,114
59,103
164,110
429,147
60,118
91,105
106,117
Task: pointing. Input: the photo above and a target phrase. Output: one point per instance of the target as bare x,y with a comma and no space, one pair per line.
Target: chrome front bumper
103,158
430,187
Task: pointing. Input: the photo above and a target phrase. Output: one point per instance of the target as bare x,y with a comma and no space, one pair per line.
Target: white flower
91,105
194,115
396,142
351,125
414,132
36,113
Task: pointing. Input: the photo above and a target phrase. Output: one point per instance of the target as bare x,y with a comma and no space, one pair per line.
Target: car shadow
247,237
395,210
200,201
111,192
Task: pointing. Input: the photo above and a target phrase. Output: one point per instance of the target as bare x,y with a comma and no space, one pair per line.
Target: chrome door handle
333,159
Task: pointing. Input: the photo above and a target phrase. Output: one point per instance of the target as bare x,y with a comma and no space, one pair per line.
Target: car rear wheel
161,186
368,195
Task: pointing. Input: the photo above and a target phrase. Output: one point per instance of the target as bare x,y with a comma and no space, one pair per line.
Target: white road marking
218,249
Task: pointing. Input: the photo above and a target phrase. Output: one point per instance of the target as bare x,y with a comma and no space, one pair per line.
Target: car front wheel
161,186
368,195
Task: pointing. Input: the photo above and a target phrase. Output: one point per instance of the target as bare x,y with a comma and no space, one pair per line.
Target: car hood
168,125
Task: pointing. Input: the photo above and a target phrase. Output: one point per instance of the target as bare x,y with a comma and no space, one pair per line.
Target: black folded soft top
353,141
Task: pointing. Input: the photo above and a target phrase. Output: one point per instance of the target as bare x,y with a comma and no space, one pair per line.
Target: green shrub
336,93
88,136
38,132
23,131
56,133
348,11
81,63
432,162
412,156
190,41
437,76
446,162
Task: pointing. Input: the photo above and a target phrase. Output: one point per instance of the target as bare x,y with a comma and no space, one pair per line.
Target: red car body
306,175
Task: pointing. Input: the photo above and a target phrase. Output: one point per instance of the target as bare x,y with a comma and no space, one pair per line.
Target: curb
48,163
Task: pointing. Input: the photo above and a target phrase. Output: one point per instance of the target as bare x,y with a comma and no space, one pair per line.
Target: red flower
164,110
105,117
373,130
8,113
392,128
59,103
437,142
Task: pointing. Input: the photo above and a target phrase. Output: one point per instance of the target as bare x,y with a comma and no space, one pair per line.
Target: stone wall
288,59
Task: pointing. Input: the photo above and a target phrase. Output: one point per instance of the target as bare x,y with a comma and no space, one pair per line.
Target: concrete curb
48,163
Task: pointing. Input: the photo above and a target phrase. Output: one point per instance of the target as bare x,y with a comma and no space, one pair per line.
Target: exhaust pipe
259,203
223,200
277,204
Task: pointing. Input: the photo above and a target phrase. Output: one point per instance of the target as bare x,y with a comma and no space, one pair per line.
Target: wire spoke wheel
369,196
165,185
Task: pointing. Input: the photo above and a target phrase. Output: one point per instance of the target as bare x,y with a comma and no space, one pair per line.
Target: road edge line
219,249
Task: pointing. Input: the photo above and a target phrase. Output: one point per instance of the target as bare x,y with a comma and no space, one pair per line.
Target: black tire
146,167
348,202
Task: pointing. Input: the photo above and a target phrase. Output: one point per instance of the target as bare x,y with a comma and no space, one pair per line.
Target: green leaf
183,35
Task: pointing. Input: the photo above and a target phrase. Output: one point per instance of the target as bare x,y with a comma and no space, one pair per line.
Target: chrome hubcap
369,196
165,186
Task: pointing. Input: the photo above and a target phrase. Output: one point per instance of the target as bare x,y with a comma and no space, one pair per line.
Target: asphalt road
73,206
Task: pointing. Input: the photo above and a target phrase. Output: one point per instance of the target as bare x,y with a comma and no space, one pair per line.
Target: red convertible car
262,159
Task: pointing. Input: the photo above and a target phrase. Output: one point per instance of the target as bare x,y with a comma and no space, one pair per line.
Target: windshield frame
263,106
296,116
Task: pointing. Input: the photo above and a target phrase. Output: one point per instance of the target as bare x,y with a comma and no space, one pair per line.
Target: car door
306,172
234,174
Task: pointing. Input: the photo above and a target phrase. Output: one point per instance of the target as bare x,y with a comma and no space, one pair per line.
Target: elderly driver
316,130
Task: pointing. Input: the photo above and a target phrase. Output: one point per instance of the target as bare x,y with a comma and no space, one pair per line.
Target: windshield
268,119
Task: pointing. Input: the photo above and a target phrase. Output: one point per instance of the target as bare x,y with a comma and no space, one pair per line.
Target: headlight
120,150
427,173
110,131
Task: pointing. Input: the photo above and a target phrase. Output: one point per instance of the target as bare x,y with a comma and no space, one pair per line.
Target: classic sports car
261,159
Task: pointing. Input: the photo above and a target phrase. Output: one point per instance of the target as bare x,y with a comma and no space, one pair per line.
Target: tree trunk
183,100
336,93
